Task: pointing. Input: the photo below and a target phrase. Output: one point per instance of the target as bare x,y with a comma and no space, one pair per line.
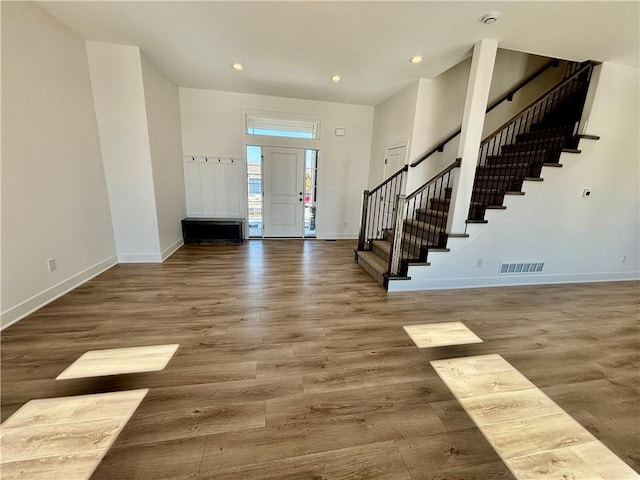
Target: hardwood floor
531,433
293,363
64,437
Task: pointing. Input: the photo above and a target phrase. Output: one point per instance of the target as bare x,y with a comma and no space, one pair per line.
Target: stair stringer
457,268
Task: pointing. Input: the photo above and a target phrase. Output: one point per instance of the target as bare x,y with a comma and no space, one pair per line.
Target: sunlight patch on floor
117,361
64,437
534,436
441,334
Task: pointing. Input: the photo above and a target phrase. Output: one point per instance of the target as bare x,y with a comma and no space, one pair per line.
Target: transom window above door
280,127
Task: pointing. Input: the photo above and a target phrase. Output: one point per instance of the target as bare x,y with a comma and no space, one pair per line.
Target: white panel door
394,159
283,176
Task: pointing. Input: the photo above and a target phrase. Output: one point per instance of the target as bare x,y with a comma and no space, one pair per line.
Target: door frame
299,179
284,142
387,148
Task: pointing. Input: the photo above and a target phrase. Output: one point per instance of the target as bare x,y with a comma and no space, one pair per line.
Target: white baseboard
455,283
140,258
18,312
337,236
167,252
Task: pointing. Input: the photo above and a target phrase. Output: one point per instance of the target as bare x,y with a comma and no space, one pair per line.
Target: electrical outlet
51,263
479,263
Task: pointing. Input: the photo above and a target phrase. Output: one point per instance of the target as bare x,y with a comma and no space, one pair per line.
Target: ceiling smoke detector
489,18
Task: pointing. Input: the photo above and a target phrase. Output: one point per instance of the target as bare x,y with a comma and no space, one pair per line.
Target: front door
283,176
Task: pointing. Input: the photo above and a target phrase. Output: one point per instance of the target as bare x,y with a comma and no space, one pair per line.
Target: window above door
279,127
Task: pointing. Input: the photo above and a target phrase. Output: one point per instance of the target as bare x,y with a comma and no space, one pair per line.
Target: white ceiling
292,48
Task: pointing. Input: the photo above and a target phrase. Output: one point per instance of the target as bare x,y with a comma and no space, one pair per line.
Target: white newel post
484,56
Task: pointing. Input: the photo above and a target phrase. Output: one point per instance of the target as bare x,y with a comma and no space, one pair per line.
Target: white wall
116,79
54,197
165,141
392,124
438,113
212,124
511,68
579,239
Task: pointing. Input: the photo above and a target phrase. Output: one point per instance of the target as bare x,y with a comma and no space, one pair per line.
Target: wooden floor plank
376,461
294,363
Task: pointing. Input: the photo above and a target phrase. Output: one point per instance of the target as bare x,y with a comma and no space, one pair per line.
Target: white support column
484,56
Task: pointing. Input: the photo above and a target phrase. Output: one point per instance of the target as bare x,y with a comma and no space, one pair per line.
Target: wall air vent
520,268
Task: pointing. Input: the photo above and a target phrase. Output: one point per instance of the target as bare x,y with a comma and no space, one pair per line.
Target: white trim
337,236
36,302
404,143
173,248
386,173
481,282
140,258
285,142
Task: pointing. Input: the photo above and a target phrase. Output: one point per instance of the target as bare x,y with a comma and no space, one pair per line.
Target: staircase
422,233
502,170
515,153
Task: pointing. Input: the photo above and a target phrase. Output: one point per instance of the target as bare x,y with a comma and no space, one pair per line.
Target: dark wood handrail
507,96
403,169
455,164
438,148
588,65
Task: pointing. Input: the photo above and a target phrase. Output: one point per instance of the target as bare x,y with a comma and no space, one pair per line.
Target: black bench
213,230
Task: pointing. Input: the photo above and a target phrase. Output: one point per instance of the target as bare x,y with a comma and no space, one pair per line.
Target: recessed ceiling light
336,78
490,17
416,60
237,66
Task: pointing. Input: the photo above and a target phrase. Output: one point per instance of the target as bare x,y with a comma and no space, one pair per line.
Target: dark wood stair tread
458,235
490,207
535,140
520,153
504,166
486,177
493,191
